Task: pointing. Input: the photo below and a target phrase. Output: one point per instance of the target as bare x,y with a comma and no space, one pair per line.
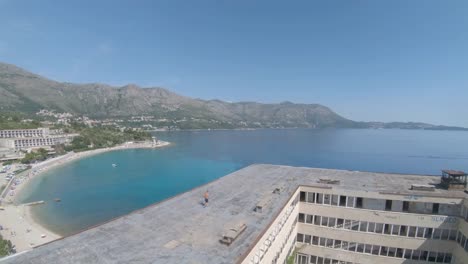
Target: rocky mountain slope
24,91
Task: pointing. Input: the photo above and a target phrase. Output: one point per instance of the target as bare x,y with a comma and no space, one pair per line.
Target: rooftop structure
261,213
453,179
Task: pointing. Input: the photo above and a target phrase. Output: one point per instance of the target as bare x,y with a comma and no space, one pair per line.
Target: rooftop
180,230
454,173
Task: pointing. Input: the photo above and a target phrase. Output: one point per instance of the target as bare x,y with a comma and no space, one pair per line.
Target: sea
93,191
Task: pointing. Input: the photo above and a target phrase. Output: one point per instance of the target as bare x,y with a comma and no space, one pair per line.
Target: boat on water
114,165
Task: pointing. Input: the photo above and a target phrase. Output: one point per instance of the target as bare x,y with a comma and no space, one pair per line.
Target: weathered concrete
180,230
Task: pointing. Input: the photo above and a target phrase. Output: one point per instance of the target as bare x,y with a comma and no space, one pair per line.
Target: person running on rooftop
206,196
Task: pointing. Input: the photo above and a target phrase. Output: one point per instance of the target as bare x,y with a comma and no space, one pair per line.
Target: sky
367,60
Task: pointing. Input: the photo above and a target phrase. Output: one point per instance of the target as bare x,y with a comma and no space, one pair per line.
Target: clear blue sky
367,60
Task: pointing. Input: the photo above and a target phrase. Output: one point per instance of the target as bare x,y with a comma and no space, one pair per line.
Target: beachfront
16,222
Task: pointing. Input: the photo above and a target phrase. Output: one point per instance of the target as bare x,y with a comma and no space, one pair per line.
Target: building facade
32,138
325,225
24,133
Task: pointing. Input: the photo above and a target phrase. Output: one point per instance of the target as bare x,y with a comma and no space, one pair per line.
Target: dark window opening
342,200
435,208
359,202
388,205
302,197
405,206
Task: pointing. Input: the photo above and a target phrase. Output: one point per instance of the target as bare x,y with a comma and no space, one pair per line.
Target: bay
92,191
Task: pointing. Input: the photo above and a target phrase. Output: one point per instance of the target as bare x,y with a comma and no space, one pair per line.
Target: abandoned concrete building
270,214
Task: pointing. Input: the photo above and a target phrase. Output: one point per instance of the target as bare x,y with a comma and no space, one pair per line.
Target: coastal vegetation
103,137
15,120
6,247
33,156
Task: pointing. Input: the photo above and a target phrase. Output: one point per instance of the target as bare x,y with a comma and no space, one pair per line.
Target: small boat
114,165
57,199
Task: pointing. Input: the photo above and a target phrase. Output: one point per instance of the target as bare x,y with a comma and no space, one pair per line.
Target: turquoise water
92,191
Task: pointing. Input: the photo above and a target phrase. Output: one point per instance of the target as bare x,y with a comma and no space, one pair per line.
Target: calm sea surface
92,191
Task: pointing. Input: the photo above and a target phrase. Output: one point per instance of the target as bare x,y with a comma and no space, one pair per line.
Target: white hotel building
32,138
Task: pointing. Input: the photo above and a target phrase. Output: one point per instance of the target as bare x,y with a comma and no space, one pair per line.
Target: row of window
358,202
462,240
310,259
414,254
379,228
265,246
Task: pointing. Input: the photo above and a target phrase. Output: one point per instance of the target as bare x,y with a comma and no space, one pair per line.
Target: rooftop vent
328,181
423,187
232,233
262,204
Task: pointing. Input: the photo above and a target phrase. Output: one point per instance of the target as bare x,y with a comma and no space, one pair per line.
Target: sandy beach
16,221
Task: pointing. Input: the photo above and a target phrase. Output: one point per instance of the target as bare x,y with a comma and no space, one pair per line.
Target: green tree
6,247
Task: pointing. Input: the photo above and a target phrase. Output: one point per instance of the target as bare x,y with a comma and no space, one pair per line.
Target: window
423,255
315,240
334,200
395,230
405,206
359,202
435,208
324,221
311,197
388,205
360,248
337,243
350,202
302,197
320,198
300,237
453,234
408,253
399,252
339,223
342,200
379,228
368,249
420,232
383,251
329,243
363,227
428,233
347,224
412,231
445,234
317,219
301,218
386,229
307,239
322,241
331,222
309,219
416,254
391,252
403,230
437,233
375,250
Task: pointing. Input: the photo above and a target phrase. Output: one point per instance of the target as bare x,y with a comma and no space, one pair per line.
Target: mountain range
23,91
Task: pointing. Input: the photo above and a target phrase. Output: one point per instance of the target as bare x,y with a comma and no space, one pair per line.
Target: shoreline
18,222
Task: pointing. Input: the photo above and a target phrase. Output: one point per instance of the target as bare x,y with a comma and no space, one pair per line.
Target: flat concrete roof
181,230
